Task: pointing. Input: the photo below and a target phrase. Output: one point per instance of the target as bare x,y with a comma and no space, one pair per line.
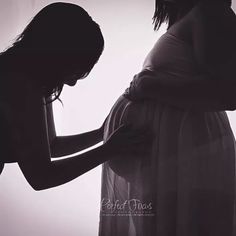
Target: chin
71,84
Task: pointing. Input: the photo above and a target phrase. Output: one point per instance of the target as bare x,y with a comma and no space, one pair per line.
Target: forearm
198,93
62,171
66,145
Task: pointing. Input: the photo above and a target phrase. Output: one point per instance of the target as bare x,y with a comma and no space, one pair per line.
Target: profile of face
62,44
72,79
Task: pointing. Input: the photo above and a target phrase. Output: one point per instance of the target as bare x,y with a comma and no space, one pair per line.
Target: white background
73,209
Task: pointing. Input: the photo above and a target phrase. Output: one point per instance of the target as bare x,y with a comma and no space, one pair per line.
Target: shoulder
20,108
20,103
18,91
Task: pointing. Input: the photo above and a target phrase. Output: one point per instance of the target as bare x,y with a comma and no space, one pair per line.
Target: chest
182,29
173,53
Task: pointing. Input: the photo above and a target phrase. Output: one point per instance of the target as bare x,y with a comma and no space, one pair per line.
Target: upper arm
34,152
214,39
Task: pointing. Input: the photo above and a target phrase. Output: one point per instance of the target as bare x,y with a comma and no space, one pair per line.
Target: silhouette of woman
186,186
59,46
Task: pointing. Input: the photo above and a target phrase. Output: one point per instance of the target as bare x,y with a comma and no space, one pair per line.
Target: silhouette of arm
66,145
34,157
215,51
199,93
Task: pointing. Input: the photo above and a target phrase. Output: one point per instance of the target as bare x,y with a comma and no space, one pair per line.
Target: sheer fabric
185,186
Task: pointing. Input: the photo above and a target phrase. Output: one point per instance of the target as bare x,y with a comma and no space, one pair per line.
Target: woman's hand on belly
197,92
136,90
126,140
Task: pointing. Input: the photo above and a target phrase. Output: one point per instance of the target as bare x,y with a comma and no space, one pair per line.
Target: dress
185,186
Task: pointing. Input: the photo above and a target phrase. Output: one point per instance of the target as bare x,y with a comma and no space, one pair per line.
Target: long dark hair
61,40
167,10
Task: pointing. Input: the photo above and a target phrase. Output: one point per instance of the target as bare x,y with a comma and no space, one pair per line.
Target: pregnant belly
140,115
175,132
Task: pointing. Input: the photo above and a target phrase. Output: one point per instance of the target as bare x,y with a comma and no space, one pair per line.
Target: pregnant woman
186,185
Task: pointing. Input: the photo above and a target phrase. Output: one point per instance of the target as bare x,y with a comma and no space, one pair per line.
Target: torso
173,53
182,29
11,94
14,93
177,52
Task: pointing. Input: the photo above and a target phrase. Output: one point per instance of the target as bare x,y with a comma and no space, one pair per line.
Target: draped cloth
185,185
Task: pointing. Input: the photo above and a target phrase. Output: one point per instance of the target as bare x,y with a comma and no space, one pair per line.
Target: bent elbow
37,186
38,177
37,181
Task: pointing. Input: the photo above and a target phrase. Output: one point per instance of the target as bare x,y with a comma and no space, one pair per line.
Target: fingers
131,131
136,138
126,139
141,150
